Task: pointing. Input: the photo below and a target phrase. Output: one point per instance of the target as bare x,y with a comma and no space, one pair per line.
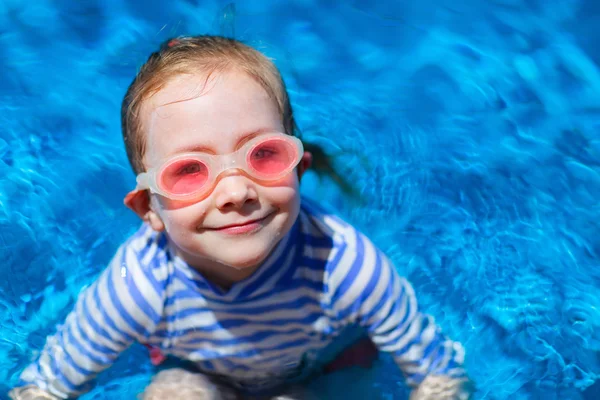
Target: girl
231,271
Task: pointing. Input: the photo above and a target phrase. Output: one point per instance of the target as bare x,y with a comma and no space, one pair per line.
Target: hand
440,387
31,392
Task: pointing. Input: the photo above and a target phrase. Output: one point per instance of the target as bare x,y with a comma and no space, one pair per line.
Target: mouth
243,227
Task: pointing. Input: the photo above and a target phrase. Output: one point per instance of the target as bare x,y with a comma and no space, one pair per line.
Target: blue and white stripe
322,277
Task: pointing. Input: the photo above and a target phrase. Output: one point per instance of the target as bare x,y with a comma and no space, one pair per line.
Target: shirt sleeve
366,289
120,307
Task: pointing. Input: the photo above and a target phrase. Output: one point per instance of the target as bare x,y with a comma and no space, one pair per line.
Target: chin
245,260
248,252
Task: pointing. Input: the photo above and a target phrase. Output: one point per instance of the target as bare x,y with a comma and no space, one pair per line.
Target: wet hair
208,55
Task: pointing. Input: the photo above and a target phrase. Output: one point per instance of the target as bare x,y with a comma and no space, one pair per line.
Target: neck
224,276
217,273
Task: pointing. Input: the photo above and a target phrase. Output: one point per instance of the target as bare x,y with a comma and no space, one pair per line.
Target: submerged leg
180,384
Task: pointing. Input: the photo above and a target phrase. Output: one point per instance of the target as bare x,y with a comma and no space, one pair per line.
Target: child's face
240,221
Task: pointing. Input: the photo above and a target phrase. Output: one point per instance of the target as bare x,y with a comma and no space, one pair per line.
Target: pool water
470,129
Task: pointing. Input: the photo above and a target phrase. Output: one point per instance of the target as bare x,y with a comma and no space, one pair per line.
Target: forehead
205,111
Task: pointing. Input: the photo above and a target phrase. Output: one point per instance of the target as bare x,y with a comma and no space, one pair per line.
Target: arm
367,290
107,318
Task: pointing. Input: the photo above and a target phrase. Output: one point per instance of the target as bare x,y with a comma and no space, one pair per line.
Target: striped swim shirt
322,278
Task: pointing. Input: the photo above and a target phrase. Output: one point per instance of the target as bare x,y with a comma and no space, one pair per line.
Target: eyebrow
243,139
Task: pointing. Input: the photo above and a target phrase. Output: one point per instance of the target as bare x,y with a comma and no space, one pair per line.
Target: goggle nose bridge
229,161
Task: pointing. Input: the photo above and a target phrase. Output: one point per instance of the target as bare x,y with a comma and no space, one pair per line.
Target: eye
189,169
264,152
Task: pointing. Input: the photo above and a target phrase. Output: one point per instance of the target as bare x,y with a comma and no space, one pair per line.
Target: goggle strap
142,181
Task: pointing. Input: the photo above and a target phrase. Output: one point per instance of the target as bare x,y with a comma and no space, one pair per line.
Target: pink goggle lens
184,176
271,157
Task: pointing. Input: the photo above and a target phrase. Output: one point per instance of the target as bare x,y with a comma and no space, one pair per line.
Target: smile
244,227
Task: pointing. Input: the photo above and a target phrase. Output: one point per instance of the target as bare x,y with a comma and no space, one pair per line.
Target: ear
305,163
139,202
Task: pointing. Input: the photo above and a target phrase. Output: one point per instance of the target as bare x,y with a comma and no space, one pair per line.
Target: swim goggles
191,176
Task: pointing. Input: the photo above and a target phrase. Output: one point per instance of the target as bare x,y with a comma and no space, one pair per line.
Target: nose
234,191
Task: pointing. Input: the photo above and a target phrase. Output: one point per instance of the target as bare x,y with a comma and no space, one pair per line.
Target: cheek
285,195
177,215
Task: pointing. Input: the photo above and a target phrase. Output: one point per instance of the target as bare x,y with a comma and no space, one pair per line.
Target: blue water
470,128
